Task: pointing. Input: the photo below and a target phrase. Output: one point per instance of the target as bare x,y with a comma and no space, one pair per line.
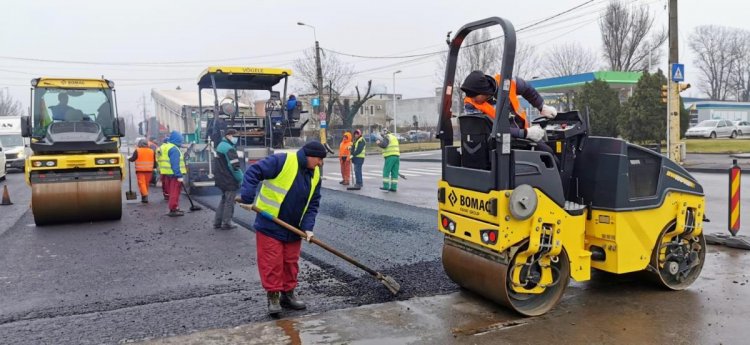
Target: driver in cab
60,111
481,91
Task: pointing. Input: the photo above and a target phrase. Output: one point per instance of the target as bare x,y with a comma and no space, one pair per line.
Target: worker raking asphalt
393,238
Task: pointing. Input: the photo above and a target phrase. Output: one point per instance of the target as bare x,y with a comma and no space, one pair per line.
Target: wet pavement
608,309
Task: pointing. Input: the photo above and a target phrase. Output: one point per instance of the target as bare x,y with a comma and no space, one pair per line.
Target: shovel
389,282
130,194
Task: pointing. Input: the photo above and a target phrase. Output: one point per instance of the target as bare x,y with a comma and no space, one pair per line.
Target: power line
144,64
481,42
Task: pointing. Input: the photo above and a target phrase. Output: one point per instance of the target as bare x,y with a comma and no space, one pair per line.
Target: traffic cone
6,197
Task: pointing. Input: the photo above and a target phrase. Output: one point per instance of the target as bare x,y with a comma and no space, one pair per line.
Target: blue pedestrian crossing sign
678,72
315,102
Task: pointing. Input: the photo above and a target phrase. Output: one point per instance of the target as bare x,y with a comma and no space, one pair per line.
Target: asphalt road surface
149,276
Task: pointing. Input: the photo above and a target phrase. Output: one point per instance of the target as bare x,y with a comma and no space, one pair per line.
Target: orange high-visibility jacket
145,160
489,109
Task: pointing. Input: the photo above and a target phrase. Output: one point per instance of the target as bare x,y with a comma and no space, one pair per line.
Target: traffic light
664,94
684,86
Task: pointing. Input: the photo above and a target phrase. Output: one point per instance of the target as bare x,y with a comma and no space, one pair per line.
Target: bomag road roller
519,222
75,170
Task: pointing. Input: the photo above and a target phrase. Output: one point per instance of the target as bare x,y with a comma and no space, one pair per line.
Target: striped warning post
735,175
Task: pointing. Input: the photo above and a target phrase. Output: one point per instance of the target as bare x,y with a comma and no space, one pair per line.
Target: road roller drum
77,201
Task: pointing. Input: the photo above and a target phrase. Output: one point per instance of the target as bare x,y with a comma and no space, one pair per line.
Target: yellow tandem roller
519,222
76,170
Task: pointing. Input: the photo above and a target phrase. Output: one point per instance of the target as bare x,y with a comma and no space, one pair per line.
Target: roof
72,83
576,81
176,99
242,78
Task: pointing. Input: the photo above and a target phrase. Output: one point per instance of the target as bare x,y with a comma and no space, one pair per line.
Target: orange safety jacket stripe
489,109
145,159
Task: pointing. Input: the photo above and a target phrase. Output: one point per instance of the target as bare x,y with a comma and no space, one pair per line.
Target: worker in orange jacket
345,149
481,90
145,163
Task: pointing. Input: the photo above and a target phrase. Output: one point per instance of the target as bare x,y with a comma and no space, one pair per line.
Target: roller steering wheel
542,122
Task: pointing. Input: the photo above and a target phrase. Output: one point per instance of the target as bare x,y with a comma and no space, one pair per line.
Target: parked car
712,129
743,127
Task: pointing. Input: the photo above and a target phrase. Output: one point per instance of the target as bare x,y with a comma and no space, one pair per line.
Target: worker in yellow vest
172,168
145,163
289,186
391,155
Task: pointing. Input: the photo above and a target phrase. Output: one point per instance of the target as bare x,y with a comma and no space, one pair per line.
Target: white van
15,147
3,170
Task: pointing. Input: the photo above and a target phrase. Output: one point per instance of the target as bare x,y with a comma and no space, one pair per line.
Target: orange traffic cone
6,197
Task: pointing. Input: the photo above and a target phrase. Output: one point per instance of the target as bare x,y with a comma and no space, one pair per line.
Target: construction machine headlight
113,161
44,163
34,82
101,161
448,224
488,236
111,84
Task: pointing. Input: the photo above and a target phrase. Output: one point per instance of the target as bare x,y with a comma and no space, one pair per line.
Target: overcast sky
162,44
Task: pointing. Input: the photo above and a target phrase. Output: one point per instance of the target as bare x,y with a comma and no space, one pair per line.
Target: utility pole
673,105
319,75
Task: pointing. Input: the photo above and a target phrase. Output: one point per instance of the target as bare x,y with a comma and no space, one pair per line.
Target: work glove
344,158
180,179
548,111
535,133
310,235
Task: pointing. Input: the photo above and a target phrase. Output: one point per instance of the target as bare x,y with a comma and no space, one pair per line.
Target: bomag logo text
475,203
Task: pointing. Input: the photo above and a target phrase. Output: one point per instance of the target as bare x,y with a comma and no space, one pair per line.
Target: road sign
678,72
323,124
315,102
322,115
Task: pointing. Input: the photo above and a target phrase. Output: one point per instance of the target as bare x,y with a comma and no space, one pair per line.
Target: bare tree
481,52
335,72
740,80
629,36
527,61
349,110
720,52
9,106
568,59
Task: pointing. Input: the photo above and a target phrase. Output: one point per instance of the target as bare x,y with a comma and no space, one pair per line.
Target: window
361,110
371,110
73,105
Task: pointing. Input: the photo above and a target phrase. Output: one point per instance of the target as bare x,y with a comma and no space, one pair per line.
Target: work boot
274,305
166,197
217,226
288,300
385,189
144,199
355,187
176,213
229,226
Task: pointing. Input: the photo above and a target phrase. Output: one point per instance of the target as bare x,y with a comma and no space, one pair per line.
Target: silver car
743,127
712,129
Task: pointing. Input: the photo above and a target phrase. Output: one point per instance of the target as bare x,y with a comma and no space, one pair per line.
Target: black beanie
314,149
477,83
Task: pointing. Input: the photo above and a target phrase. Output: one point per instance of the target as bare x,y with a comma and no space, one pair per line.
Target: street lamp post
319,75
394,101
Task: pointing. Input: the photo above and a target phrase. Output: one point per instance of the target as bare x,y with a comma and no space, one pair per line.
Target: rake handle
314,240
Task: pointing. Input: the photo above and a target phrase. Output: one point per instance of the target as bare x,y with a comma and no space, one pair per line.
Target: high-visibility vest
489,109
165,167
273,191
356,143
145,159
392,148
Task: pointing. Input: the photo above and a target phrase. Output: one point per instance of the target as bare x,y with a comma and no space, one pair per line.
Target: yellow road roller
520,222
76,169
